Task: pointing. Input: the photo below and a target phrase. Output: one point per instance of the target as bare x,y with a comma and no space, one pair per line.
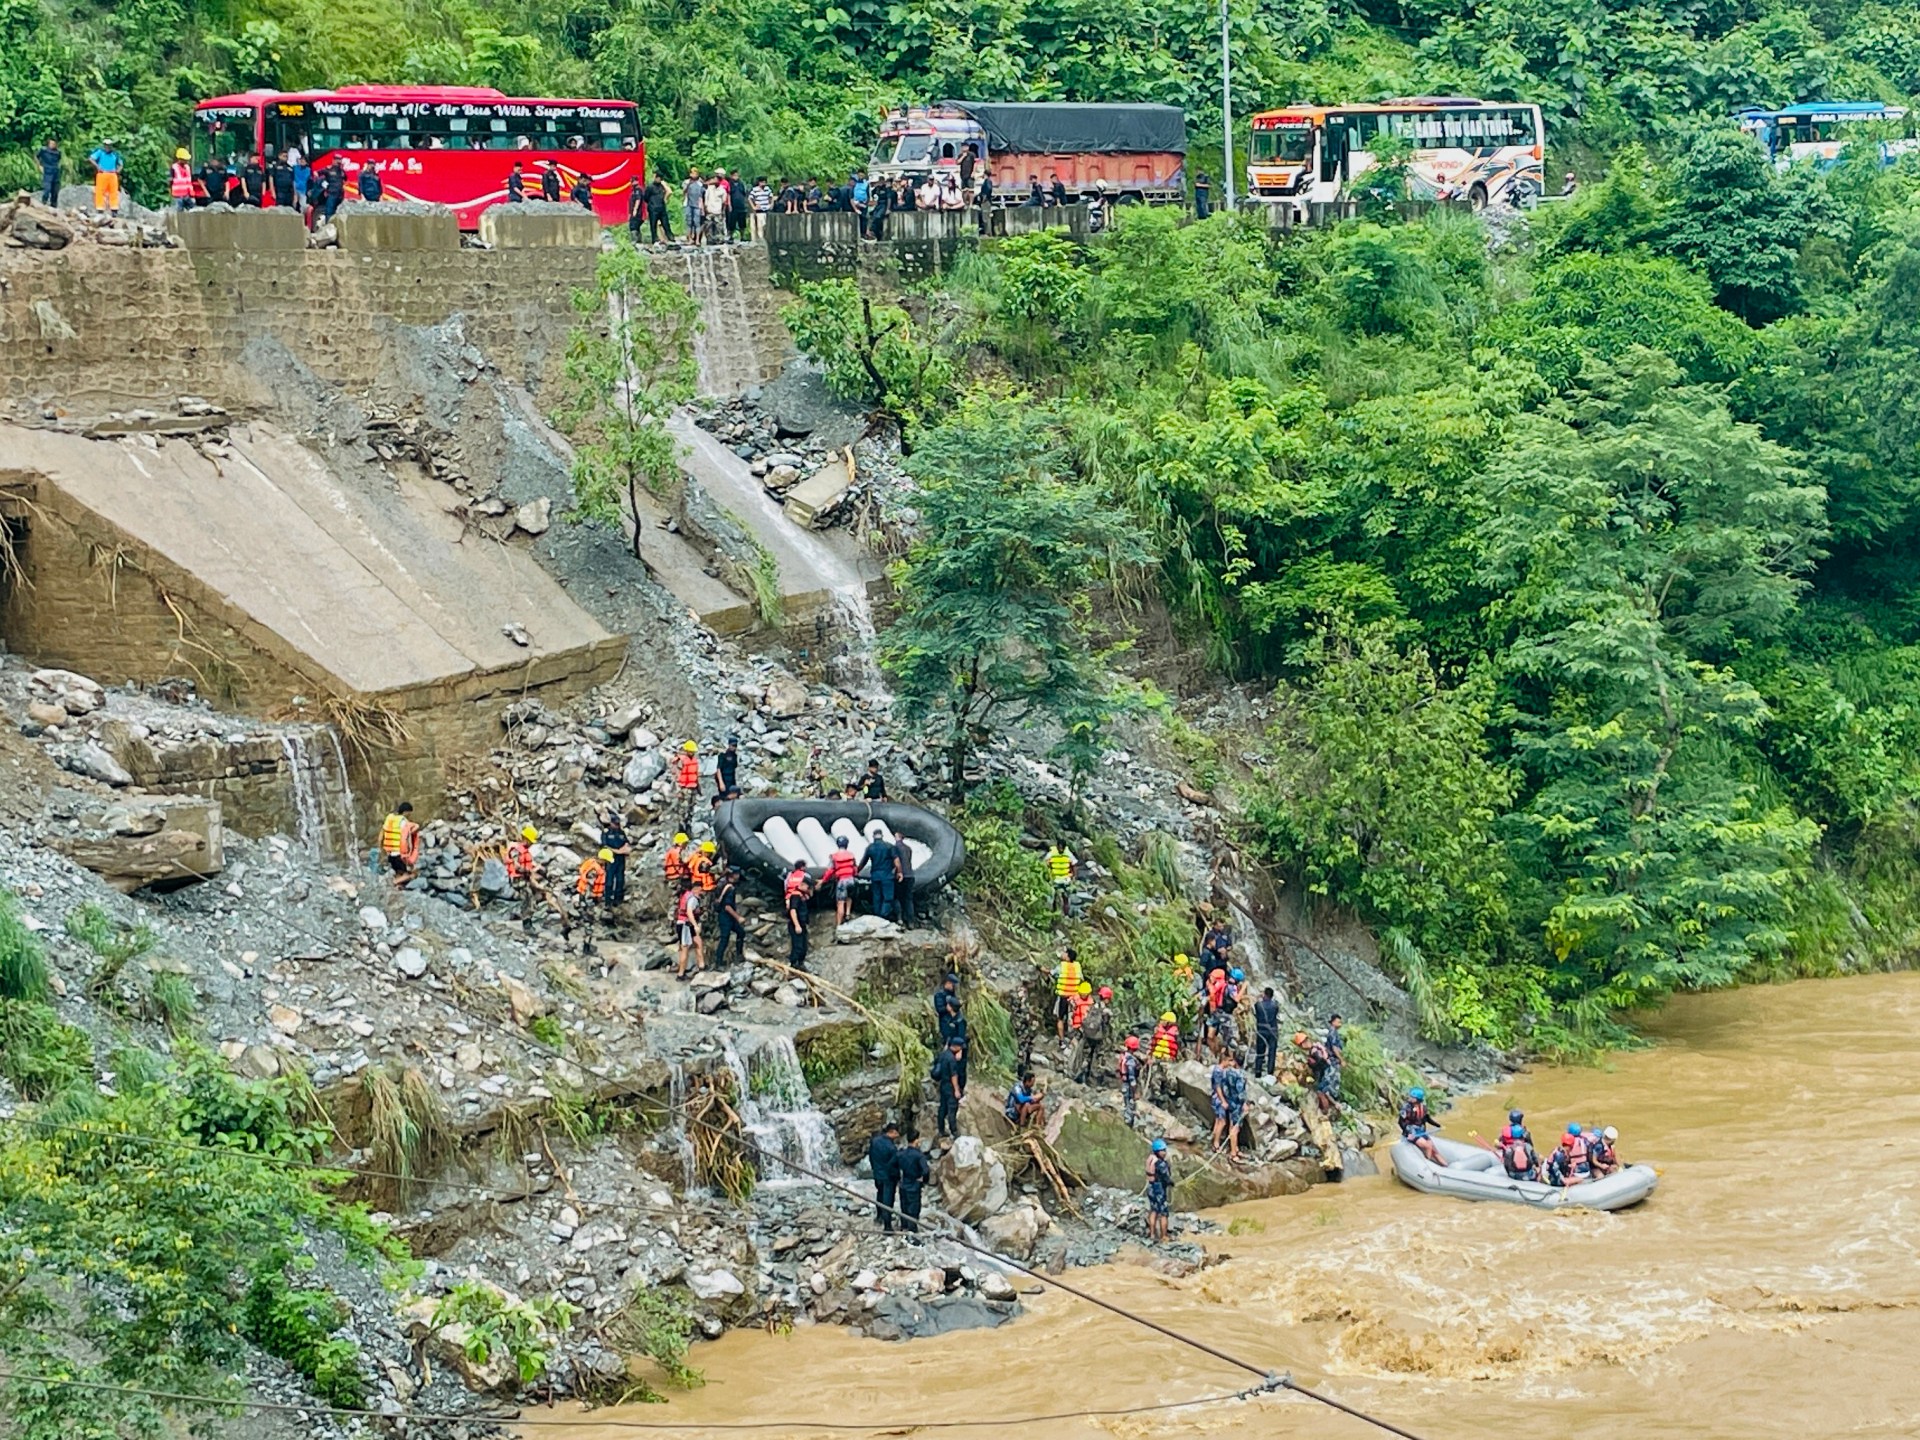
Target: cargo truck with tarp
1133,154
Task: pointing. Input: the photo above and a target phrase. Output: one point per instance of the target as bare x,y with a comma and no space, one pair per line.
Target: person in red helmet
1130,1063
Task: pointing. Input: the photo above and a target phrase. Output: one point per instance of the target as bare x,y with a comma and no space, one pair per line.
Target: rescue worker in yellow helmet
686,779
522,873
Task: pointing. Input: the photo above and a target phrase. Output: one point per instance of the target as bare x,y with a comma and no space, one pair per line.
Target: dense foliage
1582,560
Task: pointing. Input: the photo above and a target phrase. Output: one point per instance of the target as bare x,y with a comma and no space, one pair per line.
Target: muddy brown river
1770,1288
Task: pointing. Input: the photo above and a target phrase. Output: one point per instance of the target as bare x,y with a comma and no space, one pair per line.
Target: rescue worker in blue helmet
1159,1192
1415,1122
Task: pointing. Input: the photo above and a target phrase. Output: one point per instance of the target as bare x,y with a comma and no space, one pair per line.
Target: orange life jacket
700,870
593,878
1575,1147
1081,1004
519,860
1216,989
689,776
400,836
180,180
683,908
843,866
674,864
1166,1042
796,882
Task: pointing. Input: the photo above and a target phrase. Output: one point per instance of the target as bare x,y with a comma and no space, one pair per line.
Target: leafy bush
39,1052
520,1333
23,964
299,1326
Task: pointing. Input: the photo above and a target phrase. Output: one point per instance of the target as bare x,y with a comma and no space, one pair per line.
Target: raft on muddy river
768,835
1475,1174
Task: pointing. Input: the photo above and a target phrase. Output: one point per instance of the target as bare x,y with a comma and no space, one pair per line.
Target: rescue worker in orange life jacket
1569,1164
521,873
1415,1122
686,778
1517,1154
400,842
674,863
590,892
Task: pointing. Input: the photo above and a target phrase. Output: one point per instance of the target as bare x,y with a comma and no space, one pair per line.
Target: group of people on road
1584,1152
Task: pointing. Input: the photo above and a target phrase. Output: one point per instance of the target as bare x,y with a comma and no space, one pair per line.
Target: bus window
611,136
222,135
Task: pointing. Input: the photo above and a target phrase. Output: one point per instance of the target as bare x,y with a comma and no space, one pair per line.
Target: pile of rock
27,224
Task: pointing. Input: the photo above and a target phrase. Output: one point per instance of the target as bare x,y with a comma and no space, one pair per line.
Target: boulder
410,962
715,1285
494,881
534,517
868,927
645,767
48,713
623,720
972,1180
124,845
93,761
1097,1146
782,478
76,694
897,1317
786,697
1015,1231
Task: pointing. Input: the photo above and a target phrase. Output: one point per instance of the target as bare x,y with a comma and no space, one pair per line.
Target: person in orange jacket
400,843
590,892
522,874
686,779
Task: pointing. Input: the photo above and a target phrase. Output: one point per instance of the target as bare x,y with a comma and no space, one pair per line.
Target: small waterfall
325,820
677,1099
723,344
853,669
777,1109
309,823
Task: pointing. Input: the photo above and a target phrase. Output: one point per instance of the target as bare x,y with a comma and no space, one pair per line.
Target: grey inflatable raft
1475,1174
769,835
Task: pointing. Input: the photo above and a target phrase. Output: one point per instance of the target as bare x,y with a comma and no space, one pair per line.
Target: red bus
446,144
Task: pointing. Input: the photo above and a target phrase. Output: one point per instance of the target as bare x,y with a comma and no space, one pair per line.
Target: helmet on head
840,842
1106,992
1167,1019
529,834
1133,1042
180,154
1515,1117
606,854
1158,1146
1299,1037
691,747
1574,1129
1610,1134
707,847
1418,1092
1236,974
1182,960
680,838
1085,988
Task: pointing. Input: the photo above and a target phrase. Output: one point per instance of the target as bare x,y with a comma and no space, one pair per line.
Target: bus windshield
314,126
1289,143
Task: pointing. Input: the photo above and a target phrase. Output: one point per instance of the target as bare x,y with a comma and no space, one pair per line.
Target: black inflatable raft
768,835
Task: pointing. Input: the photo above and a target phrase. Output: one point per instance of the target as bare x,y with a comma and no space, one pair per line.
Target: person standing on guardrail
760,203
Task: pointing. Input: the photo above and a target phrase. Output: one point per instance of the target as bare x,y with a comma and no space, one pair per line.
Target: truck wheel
1477,197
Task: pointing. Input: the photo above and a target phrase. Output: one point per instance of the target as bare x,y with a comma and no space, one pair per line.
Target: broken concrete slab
122,845
820,493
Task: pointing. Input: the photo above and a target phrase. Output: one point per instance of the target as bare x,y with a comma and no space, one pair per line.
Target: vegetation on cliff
1582,559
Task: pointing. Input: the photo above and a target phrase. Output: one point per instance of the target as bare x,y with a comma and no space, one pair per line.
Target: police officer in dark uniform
883,1155
950,1084
946,1009
914,1172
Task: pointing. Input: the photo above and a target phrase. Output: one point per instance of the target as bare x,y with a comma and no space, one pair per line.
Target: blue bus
1818,131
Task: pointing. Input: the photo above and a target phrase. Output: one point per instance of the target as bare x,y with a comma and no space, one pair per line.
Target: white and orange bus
1484,152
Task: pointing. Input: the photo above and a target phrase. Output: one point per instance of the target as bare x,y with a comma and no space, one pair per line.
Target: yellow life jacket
1066,980
393,835
1059,865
